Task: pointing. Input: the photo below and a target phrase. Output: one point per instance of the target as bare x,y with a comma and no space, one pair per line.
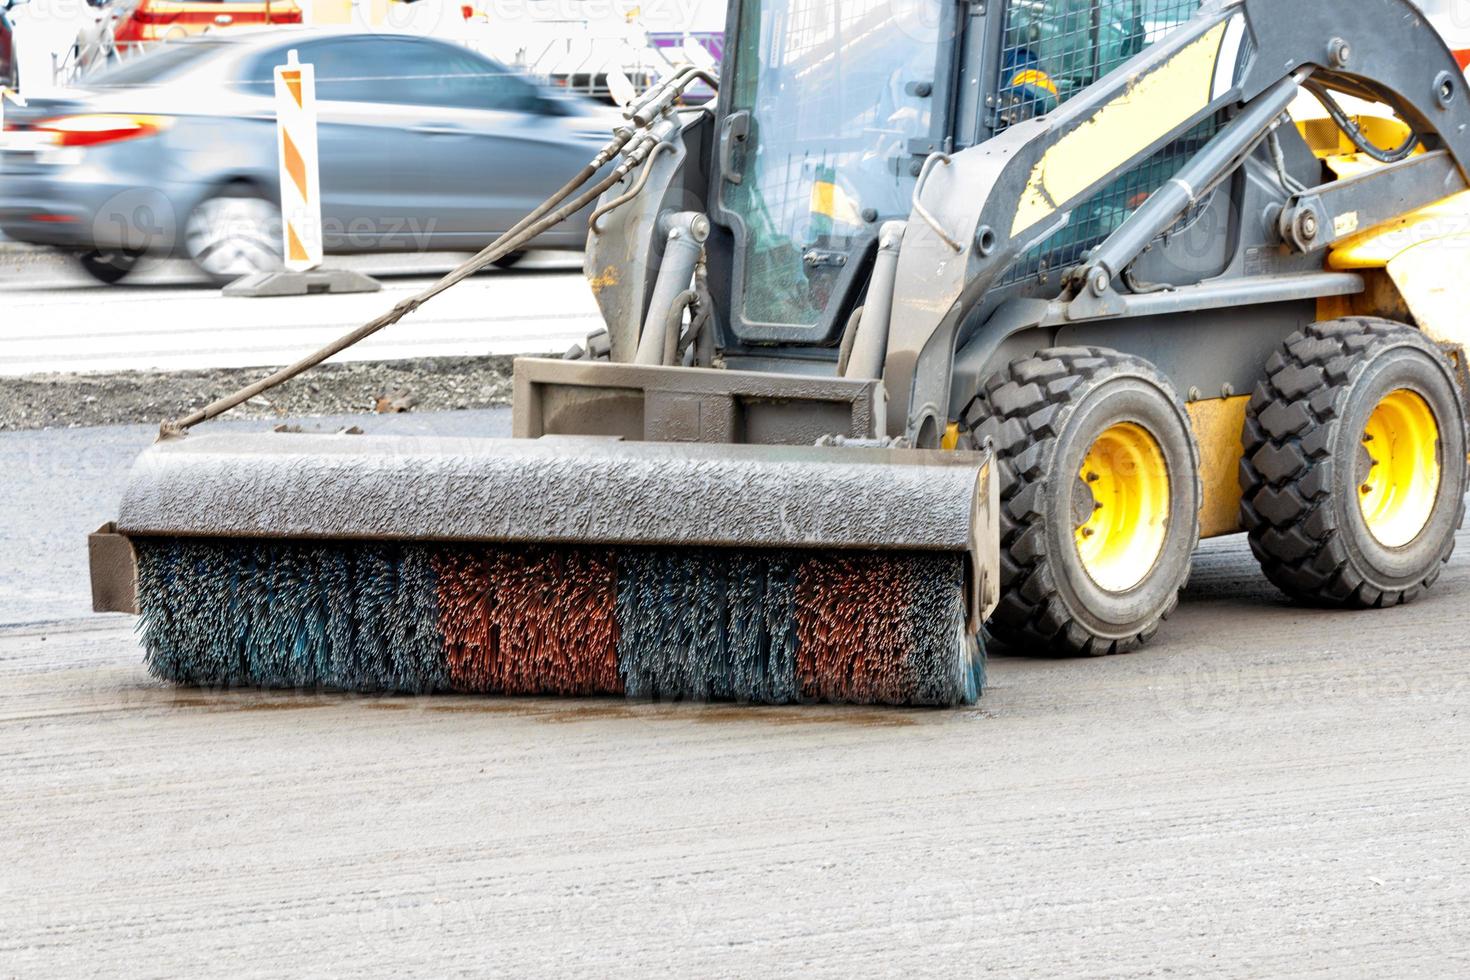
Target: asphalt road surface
56,319
1267,791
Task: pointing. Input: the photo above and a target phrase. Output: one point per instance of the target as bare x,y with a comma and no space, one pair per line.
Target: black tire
509,261
1042,415
1306,460
109,267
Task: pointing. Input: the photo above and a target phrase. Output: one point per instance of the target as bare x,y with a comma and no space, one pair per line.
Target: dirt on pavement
46,401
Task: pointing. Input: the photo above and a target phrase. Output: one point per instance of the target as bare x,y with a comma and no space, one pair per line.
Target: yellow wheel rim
1128,477
1398,495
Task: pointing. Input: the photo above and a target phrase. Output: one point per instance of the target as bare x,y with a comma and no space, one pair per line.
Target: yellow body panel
1332,145
1425,253
1427,256
1218,425
1434,279
1376,247
1146,112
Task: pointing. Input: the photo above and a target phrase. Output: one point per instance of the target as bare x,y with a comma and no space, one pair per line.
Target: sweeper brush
762,574
760,626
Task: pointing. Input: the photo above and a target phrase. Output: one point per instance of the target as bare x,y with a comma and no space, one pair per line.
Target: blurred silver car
424,145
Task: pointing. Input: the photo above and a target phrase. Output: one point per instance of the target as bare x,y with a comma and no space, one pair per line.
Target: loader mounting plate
678,404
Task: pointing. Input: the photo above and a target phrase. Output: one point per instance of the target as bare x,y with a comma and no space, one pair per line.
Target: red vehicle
167,20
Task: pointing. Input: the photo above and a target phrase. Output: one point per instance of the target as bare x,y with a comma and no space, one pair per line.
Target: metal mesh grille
1050,51
1053,49
1105,212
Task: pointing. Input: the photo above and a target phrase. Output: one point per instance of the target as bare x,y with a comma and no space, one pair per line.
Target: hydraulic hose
549,214
636,189
1358,138
653,94
606,154
849,335
674,321
666,92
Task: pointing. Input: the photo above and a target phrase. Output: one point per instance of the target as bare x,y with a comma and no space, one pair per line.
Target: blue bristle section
762,633
708,625
946,662
280,614
979,658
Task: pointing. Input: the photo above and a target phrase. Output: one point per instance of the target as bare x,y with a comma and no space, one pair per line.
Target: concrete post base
302,283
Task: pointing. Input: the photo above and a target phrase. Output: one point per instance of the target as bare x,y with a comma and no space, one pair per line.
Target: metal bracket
1322,216
824,258
734,132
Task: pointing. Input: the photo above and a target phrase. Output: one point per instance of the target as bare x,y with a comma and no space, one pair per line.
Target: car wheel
109,266
509,261
236,233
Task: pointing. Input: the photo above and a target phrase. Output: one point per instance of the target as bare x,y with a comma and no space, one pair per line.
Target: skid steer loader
948,312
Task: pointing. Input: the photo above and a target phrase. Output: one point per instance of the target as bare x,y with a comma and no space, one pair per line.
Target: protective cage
1052,50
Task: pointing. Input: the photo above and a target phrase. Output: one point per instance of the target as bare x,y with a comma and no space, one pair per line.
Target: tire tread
1028,405
1287,468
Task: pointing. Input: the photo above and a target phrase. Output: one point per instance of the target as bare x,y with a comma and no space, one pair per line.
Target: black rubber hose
674,321
1364,145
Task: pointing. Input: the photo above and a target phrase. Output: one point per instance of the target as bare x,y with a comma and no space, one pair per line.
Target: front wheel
1354,472
1100,498
232,234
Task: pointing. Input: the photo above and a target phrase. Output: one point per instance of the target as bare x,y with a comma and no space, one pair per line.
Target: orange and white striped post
301,198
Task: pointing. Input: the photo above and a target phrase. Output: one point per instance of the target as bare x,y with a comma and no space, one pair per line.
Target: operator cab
831,107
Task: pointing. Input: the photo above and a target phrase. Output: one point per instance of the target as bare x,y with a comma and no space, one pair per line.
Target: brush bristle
538,622
768,627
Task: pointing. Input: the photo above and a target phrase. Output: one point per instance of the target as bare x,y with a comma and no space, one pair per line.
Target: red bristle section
854,632
530,621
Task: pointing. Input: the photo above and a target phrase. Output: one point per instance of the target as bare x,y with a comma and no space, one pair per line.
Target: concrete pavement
1266,791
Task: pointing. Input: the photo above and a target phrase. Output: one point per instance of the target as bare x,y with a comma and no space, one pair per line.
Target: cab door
827,103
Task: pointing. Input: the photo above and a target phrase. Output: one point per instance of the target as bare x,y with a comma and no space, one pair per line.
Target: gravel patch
59,401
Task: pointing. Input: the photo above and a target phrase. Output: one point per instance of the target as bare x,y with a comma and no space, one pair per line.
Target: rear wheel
109,266
235,233
1354,471
1100,499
